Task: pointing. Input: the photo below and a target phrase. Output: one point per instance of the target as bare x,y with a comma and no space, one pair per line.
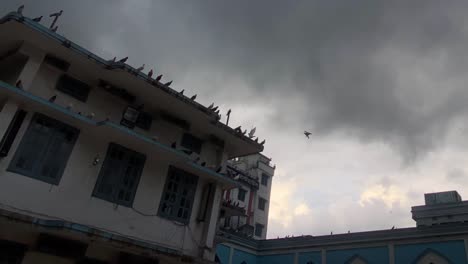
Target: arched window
430,256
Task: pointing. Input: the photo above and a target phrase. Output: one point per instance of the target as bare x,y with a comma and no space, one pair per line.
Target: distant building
441,237
245,209
101,163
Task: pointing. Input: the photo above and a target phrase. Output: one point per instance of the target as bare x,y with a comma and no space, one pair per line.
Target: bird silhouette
214,109
211,106
159,77
52,99
219,169
123,60
393,227
37,19
182,92
150,73
168,83
237,128
193,97
263,142
252,132
113,59
19,84
141,68
54,29
307,134
20,10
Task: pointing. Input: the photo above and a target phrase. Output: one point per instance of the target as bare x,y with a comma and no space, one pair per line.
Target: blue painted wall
452,250
276,259
223,253
315,257
375,255
240,256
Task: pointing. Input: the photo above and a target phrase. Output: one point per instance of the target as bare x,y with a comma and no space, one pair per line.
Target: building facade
100,162
442,241
245,208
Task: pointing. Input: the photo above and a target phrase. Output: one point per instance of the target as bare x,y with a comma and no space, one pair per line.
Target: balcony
242,177
110,131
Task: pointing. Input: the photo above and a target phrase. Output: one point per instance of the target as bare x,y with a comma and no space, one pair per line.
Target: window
73,87
265,179
119,175
11,132
241,195
144,120
191,142
258,229
177,198
44,149
261,204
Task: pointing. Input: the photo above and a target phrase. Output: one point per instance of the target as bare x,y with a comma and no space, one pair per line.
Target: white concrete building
101,163
245,209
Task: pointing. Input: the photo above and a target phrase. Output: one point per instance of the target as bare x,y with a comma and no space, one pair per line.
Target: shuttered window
241,195
177,199
192,143
44,150
119,175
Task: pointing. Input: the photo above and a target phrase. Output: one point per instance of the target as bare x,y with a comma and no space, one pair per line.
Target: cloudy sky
381,85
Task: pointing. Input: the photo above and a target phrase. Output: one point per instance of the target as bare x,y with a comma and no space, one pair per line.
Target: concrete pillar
296,258
6,115
391,253
231,254
211,223
324,256
35,59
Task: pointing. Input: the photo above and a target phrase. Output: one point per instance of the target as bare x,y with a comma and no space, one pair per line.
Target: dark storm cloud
390,71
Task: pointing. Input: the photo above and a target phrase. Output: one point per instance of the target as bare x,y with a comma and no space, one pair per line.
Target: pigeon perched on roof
150,73
159,77
123,60
20,10
37,19
193,97
168,83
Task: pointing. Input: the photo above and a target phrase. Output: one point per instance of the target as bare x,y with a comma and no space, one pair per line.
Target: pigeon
393,227
214,109
141,68
52,99
158,78
150,73
54,29
123,60
37,19
256,140
20,10
237,128
307,134
193,97
211,106
182,92
173,145
263,142
168,83
113,60
252,132
245,132
19,84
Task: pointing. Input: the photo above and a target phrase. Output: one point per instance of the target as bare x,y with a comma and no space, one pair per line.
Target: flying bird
37,19
307,134
252,132
168,83
193,97
158,78
20,10
150,73
123,60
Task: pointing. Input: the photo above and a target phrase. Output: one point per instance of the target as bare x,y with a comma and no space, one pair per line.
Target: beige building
100,162
245,208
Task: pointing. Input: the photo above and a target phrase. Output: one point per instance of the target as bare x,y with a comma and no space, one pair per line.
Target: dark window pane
258,229
44,150
192,143
241,195
119,175
261,203
178,195
73,87
265,179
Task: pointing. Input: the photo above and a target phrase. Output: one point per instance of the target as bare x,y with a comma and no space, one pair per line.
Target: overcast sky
381,85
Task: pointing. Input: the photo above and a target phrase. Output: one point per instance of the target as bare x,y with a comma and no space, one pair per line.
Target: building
245,209
442,241
100,162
